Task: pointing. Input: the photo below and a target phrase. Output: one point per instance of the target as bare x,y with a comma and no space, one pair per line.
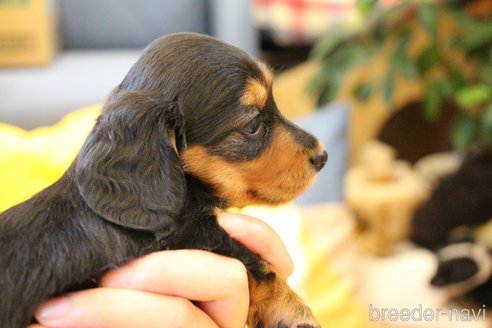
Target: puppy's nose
438,281
318,160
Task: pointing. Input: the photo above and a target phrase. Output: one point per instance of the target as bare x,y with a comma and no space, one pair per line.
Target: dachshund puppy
463,198
191,130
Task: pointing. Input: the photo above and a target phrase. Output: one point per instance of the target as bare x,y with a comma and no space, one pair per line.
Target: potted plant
445,46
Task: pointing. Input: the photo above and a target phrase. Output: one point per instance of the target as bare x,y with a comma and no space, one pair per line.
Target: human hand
199,289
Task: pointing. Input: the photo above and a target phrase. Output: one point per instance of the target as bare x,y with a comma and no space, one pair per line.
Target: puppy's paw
283,320
274,305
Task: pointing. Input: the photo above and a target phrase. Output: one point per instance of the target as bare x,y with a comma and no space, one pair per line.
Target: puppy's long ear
129,171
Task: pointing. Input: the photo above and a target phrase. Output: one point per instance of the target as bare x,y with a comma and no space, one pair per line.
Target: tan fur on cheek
221,175
277,176
281,173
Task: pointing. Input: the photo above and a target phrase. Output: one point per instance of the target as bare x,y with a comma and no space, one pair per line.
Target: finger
220,283
260,238
123,308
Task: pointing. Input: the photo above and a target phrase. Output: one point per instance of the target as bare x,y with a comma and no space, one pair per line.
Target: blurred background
399,92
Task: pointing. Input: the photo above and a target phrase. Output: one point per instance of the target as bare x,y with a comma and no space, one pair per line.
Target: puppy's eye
253,126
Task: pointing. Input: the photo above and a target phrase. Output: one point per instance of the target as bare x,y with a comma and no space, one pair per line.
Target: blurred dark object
414,136
282,57
456,223
465,269
461,199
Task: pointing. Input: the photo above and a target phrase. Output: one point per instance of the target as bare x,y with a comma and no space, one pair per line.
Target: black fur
462,199
126,194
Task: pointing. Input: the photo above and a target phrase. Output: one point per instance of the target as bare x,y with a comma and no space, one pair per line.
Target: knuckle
184,313
237,274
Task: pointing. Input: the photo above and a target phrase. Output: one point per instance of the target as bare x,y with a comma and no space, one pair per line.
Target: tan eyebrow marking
255,94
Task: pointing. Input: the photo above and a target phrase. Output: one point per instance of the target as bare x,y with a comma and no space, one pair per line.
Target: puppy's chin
250,183
267,196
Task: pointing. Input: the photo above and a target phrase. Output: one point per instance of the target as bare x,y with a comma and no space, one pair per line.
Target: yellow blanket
32,160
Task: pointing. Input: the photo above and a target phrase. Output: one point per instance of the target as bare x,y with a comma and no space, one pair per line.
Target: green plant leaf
445,87
473,95
485,71
405,37
324,47
400,60
427,59
334,69
365,7
456,77
320,88
315,84
388,87
406,66
432,102
363,91
348,55
486,124
454,41
395,13
427,15
331,42
461,16
327,95
477,35
463,131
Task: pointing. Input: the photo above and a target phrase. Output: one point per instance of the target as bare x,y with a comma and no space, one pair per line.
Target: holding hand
182,288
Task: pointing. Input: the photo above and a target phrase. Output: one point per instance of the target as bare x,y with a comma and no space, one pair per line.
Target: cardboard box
27,32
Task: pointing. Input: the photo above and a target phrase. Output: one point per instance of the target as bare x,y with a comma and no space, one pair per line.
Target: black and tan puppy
192,129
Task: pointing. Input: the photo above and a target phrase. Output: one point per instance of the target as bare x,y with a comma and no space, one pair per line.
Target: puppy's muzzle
318,160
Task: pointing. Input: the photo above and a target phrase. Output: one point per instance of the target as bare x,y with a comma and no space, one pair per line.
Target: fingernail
234,223
53,309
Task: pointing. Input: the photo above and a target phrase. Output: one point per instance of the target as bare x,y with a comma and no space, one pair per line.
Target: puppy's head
237,141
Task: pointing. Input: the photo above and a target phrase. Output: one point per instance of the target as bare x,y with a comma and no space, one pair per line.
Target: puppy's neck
201,198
